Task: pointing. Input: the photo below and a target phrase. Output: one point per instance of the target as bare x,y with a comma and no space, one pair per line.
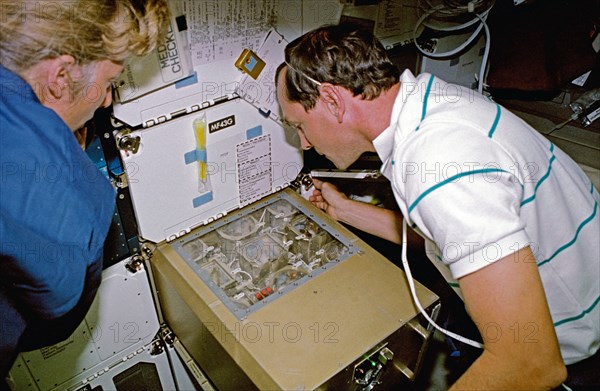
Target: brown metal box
346,322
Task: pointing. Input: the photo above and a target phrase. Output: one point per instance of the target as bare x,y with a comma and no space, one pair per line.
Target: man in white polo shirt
510,220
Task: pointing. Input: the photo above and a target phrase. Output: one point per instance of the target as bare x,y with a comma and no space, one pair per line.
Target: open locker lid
192,164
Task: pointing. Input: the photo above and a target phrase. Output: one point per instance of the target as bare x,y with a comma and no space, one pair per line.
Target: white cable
262,217
486,53
457,50
479,18
453,28
411,285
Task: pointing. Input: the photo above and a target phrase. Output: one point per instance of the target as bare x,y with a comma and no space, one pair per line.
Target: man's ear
333,100
61,71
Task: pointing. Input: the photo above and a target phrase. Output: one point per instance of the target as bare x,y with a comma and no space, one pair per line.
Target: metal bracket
135,264
345,174
157,345
368,371
127,142
302,180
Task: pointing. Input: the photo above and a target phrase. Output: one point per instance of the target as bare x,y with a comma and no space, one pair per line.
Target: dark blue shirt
55,206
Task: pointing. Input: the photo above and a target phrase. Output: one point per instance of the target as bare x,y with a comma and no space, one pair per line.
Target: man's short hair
345,55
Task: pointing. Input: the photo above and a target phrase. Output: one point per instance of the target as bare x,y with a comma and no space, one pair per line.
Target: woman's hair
344,55
88,30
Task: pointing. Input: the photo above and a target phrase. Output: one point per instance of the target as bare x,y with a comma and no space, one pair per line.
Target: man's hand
381,222
328,198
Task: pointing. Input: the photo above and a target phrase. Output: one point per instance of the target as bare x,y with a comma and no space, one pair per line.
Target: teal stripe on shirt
449,180
496,120
572,241
542,179
425,99
452,284
584,313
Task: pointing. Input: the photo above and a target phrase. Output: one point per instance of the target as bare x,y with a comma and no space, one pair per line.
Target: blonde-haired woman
58,61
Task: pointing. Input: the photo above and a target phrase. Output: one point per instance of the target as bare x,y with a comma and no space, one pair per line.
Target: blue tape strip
254,132
203,199
196,155
188,81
